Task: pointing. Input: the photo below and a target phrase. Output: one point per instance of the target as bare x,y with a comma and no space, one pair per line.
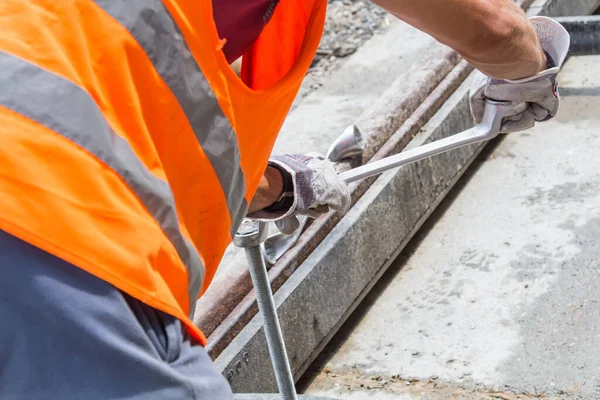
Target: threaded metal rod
266,305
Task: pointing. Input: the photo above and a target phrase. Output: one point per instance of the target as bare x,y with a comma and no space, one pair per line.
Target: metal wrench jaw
493,115
349,144
278,243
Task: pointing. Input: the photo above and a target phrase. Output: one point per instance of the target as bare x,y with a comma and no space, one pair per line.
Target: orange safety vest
129,147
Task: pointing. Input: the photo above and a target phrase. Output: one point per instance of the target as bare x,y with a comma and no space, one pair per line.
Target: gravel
348,25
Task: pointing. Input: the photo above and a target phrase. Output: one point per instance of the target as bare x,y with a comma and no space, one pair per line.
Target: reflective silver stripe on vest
69,111
150,23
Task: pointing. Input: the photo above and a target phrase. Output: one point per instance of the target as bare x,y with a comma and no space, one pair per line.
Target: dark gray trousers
65,334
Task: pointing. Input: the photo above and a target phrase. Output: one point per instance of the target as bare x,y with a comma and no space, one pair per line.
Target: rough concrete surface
499,298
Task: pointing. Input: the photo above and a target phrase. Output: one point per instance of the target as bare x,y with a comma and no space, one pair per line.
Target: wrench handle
489,128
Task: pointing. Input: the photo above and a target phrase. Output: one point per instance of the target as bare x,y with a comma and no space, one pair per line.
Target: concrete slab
500,296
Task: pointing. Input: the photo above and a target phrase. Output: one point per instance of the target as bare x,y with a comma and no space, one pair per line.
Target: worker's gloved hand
311,187
538,92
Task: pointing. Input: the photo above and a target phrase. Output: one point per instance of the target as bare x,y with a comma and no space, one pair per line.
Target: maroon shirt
240,22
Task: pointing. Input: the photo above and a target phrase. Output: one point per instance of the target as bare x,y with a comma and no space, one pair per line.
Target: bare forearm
269,189
493,35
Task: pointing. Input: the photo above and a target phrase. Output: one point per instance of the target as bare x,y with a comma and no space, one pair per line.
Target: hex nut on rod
250,234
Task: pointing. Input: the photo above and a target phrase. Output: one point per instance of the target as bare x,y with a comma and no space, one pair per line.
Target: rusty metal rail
585,34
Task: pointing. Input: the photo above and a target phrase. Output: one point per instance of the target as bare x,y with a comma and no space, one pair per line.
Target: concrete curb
318,296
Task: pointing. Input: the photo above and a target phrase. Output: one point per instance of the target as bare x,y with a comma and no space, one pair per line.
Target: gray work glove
311,187
538,92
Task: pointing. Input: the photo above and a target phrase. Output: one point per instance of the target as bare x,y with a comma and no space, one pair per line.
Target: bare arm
495,36
269,189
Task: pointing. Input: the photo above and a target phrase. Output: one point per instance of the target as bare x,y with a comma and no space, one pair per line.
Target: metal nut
250,234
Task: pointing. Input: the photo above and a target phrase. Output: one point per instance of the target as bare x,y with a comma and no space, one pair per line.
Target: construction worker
130,153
